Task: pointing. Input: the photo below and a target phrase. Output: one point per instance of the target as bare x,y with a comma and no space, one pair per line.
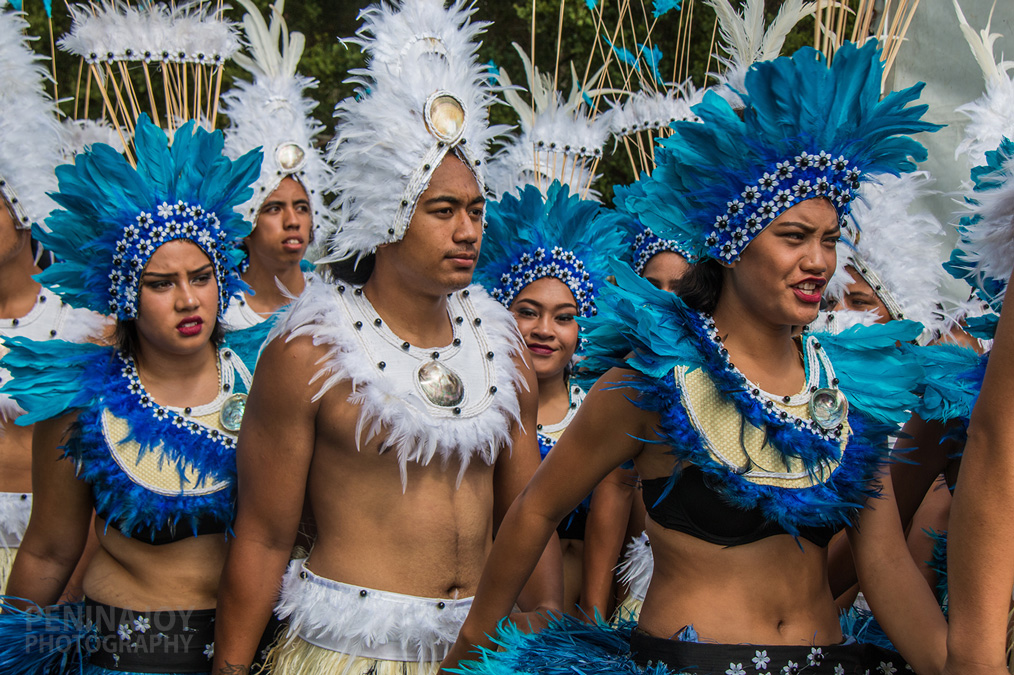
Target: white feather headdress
644,110
272,112
77,136
422,95
991,116
560,138
746,40
984,254
898,251
29,130
190,32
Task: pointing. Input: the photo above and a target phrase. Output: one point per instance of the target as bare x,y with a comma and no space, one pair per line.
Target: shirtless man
403,410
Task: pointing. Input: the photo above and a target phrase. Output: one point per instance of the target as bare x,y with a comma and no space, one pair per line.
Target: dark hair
351,270
128,344
701,286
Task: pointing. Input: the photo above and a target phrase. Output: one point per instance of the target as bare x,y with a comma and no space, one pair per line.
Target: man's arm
273,458
980,548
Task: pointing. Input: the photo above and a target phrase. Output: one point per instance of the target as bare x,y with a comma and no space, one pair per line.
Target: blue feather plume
796,109
522,225
101,194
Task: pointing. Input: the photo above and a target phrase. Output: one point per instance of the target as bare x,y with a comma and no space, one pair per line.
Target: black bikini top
695,508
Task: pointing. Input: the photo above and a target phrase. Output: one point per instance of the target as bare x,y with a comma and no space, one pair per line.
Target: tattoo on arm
233,669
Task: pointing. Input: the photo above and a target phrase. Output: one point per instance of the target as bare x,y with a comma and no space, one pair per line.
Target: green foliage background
327,59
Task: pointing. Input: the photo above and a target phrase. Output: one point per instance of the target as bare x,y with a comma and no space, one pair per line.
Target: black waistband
702,658
152,642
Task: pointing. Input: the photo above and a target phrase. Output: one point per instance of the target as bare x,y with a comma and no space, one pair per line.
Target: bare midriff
126,572
769,592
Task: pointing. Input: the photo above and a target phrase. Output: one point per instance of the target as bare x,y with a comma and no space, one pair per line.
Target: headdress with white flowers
113,217
808,130
532,235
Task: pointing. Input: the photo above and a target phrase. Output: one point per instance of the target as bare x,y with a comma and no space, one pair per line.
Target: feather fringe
318,314
43,641
637,566
115,30
331,612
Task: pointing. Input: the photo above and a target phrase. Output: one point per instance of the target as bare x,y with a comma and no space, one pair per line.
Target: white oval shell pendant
231,415
828,408
445,117
290,156
441,385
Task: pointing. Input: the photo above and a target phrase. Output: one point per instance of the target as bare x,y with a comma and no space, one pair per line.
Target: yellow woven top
151,470
734,442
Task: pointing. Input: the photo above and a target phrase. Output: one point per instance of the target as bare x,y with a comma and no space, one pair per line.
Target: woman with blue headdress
142,432
545,257
754,445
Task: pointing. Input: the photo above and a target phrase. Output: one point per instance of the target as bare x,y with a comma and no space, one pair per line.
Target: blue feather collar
840,479
202,457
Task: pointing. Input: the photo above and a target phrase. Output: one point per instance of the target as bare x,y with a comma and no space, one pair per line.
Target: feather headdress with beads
29,127
532,235
112,217
273,112
808,130
422,96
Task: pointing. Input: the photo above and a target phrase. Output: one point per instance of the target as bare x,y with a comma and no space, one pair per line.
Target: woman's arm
603,435
897,593
61,515
543,593
604,537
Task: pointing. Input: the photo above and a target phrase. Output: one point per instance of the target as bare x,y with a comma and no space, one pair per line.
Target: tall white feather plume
560,138
991,116
899,250
423,95
29,130
273,112
115,30
746,40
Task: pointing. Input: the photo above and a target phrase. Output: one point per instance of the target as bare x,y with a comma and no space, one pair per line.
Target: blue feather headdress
531,236
643,244
114,217
808,130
